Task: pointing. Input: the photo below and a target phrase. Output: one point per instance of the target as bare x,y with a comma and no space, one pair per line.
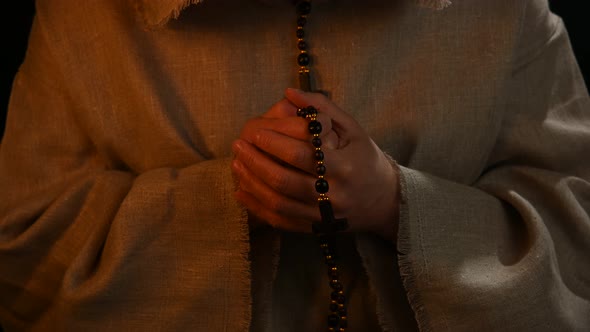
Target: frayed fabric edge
160,19
156,20
176,12
406,255
407,258
244,248
434,4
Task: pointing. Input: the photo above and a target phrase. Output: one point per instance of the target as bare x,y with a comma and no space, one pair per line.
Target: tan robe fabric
116,208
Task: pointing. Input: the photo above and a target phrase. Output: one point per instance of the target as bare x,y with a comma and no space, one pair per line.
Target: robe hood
158,12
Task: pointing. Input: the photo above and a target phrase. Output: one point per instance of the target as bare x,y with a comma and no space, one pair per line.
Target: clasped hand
274,166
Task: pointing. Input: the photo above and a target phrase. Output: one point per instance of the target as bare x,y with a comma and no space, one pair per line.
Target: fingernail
236,147
237,165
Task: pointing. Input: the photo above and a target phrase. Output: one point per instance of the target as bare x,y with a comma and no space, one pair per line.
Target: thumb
323,104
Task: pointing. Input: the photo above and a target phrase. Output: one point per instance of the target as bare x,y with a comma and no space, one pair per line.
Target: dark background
22,14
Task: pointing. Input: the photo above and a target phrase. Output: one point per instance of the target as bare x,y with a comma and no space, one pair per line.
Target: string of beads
338,317
303,59
329,225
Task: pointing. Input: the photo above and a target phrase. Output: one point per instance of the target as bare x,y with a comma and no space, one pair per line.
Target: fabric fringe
404,248
406,259
159,19
434,4
176,12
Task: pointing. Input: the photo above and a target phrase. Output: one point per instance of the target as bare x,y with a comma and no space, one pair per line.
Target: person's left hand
275,168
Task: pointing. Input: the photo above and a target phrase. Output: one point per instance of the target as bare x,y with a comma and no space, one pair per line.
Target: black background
23,10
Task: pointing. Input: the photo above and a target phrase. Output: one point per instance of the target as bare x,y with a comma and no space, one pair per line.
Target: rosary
329,225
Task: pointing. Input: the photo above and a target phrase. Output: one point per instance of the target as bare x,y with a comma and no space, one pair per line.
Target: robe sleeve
87,246
511,252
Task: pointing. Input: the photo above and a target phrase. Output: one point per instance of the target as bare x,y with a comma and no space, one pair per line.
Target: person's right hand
285,195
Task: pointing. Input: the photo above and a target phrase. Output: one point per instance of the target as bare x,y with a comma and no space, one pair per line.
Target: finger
303,99
282,109
297,153
271,199
273,219
294,127
292,183
328,135
330,140
343,123
285,180
326,122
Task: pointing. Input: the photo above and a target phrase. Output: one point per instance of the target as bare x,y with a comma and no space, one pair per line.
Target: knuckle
331,140
275,203
251,127
296,157
248,159
245,185
262,139
279,182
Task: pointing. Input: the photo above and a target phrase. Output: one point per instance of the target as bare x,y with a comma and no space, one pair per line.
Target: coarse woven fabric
116,209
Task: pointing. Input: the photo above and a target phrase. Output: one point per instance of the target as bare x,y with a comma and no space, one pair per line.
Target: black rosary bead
333,320
343,321
302,45
333,274
329,224
336,285
314,127
338,297
303,59
331,262
319,155
304,7
321,186
316,142
301,21
334,296
300,32
333,307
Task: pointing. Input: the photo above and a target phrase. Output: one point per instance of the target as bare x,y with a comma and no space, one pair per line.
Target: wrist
388,227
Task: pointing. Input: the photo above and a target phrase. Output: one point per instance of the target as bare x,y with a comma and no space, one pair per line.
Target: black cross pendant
329,223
